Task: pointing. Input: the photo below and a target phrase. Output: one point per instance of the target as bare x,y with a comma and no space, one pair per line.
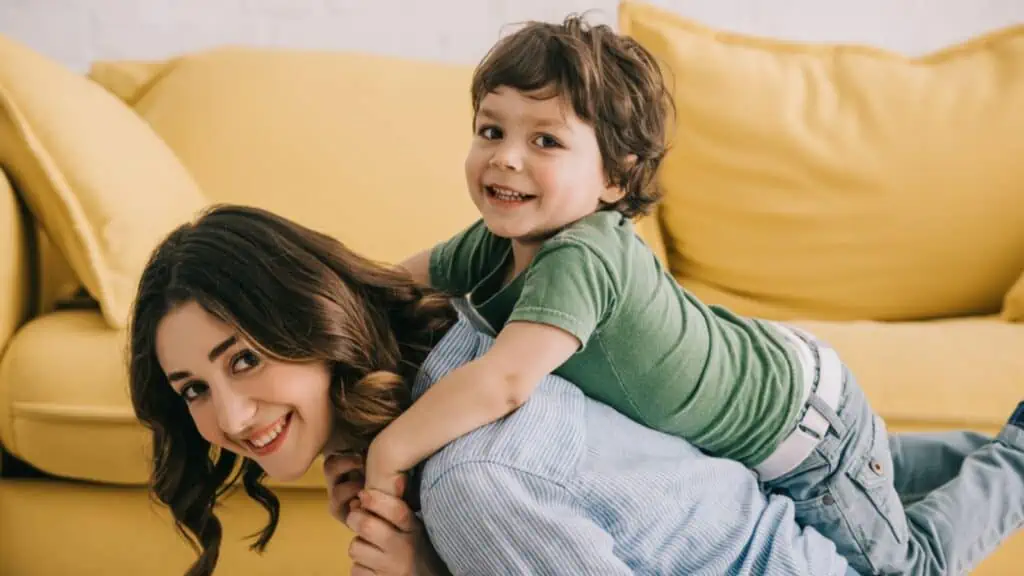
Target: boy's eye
489,132
244,360
546,141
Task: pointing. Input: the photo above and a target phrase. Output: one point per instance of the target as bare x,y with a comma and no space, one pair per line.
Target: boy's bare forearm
468,397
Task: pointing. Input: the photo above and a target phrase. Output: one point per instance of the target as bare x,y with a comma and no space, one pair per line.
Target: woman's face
275,413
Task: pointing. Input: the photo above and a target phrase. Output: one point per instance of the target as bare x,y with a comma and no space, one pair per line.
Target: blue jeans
947,505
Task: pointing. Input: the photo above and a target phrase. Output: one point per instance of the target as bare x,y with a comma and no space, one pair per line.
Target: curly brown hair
613,83
298,295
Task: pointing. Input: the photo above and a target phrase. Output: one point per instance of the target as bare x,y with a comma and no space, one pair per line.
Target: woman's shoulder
545,439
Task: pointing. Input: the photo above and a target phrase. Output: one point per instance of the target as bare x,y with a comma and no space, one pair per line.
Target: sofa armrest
16,257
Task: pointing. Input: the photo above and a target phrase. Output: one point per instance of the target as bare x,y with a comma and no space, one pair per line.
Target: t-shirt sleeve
569,286
458,264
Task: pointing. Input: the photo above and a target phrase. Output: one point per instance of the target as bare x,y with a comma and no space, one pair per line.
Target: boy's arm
567,292
475,394
418,266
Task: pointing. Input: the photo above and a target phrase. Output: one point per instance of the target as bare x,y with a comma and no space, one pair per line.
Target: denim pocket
870,500
857,507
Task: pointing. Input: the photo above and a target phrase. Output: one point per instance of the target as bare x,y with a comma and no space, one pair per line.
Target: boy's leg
923,461
846,491
973,513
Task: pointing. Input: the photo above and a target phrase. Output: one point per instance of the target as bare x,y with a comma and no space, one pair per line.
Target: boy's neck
522,255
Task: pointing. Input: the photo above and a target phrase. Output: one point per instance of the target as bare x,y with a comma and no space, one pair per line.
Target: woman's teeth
269,436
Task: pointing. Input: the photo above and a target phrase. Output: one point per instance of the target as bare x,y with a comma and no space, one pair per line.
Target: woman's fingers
338,465
392,509
365,554
343,477
399,559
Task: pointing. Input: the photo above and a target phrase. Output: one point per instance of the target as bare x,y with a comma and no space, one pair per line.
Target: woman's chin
282,471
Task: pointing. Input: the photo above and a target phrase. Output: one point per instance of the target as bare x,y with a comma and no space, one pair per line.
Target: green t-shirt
729,385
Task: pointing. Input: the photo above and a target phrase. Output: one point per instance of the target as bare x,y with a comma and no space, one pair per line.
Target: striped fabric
566,485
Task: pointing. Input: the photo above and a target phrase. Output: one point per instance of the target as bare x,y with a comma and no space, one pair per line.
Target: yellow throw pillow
101,183
840,181
1013,304
129,79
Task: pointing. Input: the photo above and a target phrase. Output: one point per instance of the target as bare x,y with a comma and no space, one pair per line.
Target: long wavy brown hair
298,295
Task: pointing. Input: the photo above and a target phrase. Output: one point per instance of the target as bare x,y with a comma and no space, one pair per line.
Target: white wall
78,32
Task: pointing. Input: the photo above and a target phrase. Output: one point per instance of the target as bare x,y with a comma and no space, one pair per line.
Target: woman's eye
192,391
546,141
489,132
244,360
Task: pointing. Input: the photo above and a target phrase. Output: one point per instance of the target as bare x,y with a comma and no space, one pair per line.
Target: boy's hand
380,476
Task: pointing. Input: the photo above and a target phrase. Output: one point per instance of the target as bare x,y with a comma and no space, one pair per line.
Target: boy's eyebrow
539,121
488,113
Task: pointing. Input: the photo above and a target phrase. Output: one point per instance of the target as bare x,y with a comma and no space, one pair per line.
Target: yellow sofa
795,190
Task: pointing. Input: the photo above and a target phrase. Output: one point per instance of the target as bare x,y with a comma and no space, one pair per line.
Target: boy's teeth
507,195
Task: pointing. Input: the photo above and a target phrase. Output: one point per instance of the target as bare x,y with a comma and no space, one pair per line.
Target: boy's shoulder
603,228
607,234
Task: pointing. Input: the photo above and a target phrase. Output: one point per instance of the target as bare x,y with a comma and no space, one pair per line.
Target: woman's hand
344,476
389,539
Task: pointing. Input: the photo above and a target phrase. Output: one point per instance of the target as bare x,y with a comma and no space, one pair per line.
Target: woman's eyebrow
214,353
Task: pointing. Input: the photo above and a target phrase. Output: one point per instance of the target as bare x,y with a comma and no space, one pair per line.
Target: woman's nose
235,411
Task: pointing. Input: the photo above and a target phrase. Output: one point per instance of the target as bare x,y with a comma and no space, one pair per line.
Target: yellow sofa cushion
840,181
15,269
367,148
1013,304
938,374
101,183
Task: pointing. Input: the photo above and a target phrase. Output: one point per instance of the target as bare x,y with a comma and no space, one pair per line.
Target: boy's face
534,166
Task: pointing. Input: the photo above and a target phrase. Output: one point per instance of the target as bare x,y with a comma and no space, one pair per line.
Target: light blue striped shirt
566,485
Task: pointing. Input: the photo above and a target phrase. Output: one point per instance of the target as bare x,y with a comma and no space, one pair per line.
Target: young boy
571,123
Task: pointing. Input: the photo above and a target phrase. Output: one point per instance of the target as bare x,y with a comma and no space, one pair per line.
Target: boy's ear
613,192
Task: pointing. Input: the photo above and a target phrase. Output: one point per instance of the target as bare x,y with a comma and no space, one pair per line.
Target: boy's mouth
508,195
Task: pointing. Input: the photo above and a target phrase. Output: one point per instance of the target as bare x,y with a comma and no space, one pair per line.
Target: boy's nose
507,157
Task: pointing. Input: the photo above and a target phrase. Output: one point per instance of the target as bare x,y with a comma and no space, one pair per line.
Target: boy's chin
517,234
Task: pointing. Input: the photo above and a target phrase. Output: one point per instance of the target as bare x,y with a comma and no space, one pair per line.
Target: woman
354,332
